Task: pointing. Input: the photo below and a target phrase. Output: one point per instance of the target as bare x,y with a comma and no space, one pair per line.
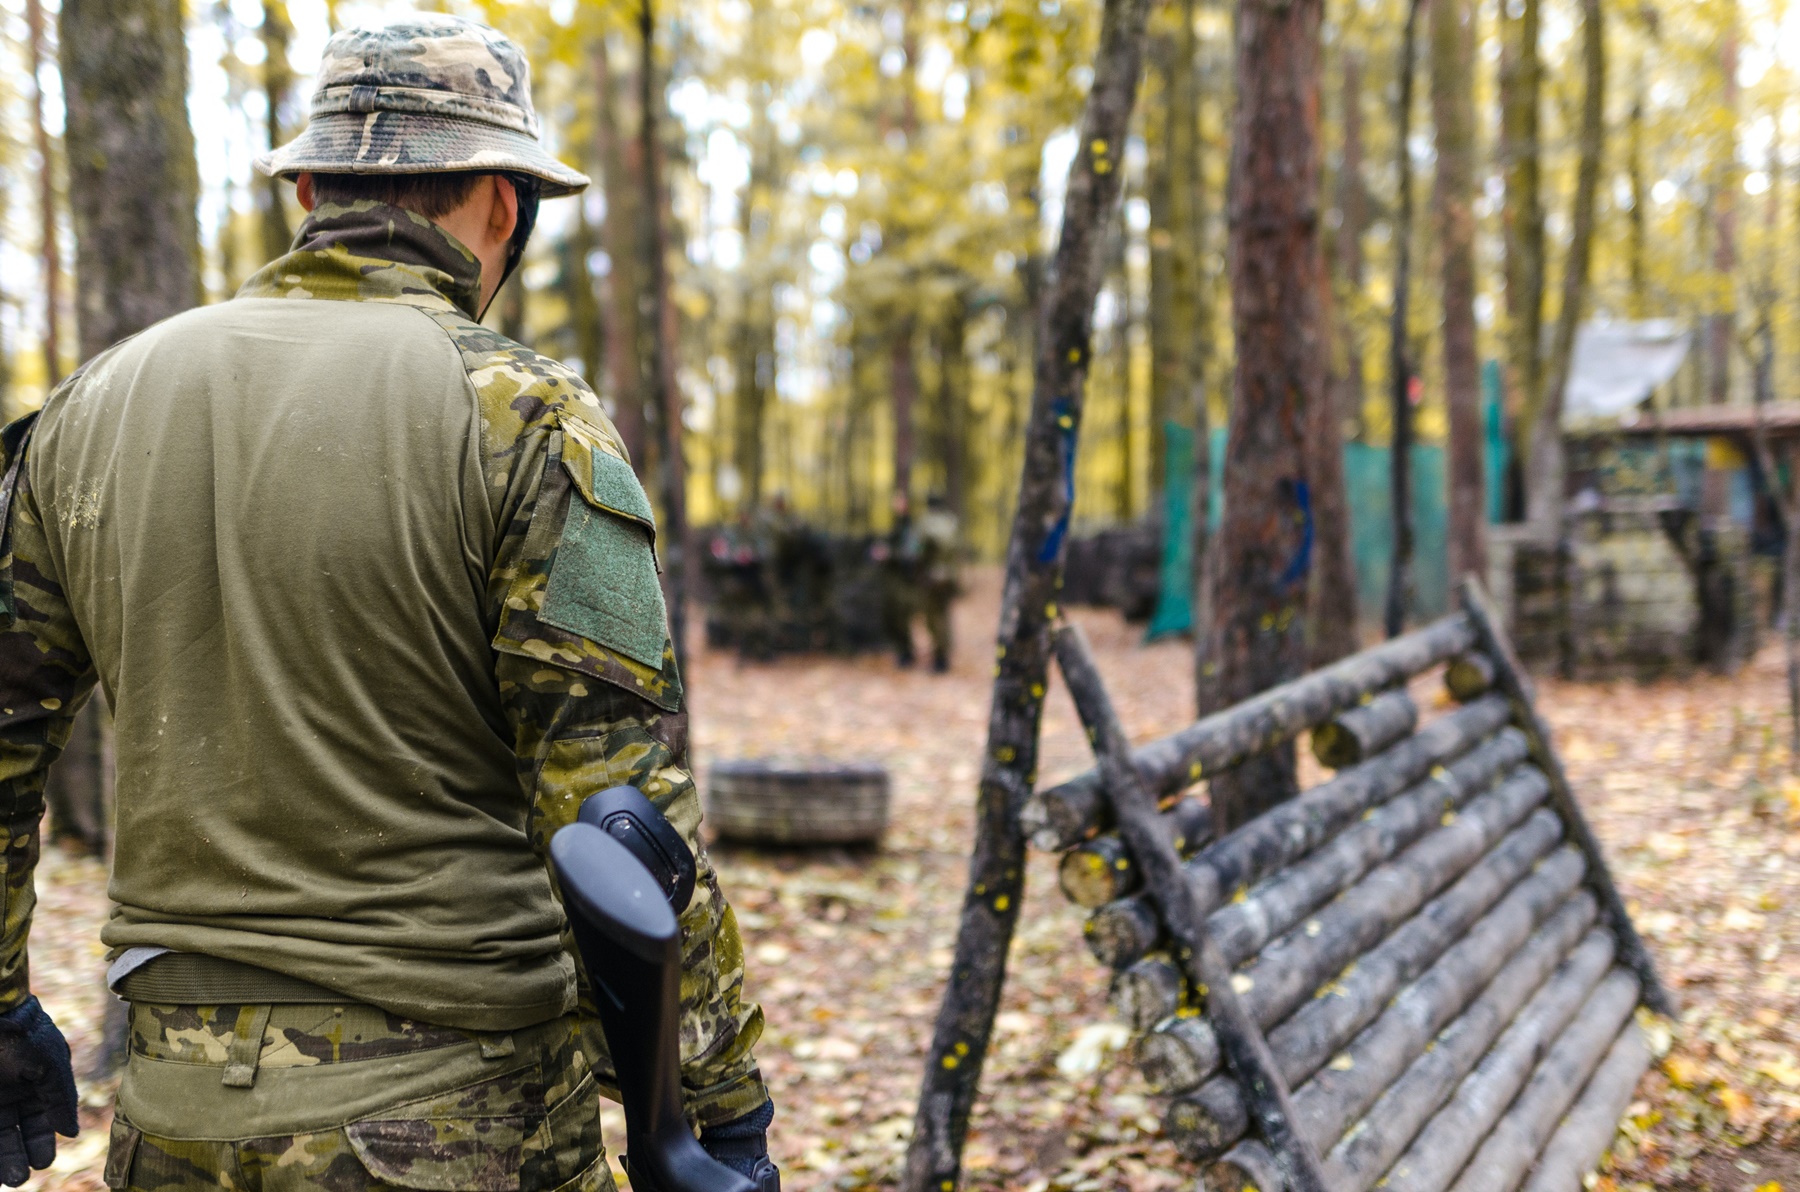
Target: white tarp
1618,363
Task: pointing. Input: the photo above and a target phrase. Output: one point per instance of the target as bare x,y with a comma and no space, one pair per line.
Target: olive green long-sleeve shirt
372,592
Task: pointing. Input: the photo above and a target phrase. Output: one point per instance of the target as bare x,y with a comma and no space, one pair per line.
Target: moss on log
1064,815
1359,733
1470,674
1097,871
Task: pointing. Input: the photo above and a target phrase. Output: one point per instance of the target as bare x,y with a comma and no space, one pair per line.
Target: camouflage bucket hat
428,94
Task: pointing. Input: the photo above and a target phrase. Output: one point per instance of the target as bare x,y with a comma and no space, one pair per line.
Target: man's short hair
431,195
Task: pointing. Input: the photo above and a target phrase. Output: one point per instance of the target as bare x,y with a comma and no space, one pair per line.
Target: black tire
765,801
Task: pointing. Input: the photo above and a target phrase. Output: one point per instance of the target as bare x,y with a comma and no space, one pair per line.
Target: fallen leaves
1686,783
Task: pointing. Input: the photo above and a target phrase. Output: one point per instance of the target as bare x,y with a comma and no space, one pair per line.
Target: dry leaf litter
1686,782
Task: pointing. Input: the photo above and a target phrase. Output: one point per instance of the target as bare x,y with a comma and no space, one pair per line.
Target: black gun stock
631,948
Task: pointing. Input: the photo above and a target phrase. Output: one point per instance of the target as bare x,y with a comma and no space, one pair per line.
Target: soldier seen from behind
372,591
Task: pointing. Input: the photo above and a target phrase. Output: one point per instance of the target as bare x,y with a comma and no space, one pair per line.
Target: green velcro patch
603,582
616,487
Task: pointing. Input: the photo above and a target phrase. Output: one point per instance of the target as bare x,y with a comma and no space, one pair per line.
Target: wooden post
1511,680
1241,1040
1034,566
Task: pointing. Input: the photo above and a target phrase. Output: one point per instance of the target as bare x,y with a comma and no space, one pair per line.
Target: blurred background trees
854,205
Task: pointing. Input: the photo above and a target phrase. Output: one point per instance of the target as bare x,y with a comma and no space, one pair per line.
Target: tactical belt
191,979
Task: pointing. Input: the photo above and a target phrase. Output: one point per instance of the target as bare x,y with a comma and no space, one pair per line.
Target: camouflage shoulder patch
584,595
603,581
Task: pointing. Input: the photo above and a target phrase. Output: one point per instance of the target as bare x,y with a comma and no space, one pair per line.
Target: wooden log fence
1065,815
1417,974
1360,733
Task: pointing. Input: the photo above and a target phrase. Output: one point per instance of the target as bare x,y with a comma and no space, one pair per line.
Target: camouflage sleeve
588,679
45,675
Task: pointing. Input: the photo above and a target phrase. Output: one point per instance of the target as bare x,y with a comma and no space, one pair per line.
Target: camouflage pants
350,1098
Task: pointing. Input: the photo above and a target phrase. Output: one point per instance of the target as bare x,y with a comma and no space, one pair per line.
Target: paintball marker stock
630,946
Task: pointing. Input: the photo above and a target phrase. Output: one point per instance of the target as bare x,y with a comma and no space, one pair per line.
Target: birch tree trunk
1266,535
1034,564
1453,192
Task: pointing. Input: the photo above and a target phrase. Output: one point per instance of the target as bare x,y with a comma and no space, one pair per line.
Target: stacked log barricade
1417,974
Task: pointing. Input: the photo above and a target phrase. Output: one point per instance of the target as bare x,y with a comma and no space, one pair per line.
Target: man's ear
303,190
505,214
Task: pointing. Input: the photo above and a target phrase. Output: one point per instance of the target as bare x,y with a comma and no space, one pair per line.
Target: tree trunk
1266,535
1636,236
904,379
662,339
132,178
1453,192
50,255
622,167
1400,366
133,186
1522,214
1175,191
952,422
1033,574
1333,606
1204,545
1347,247
278,85
588,325
1720,325
1546,462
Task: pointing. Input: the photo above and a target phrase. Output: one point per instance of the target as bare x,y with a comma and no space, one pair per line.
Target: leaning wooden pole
1258,1074
1034,564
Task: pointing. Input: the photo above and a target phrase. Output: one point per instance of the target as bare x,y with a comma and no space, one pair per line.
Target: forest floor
1686,783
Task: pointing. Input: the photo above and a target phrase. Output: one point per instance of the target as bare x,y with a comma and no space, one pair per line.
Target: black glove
742,1144
37,1091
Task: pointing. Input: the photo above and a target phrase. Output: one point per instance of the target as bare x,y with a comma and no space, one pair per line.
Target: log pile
1425,950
